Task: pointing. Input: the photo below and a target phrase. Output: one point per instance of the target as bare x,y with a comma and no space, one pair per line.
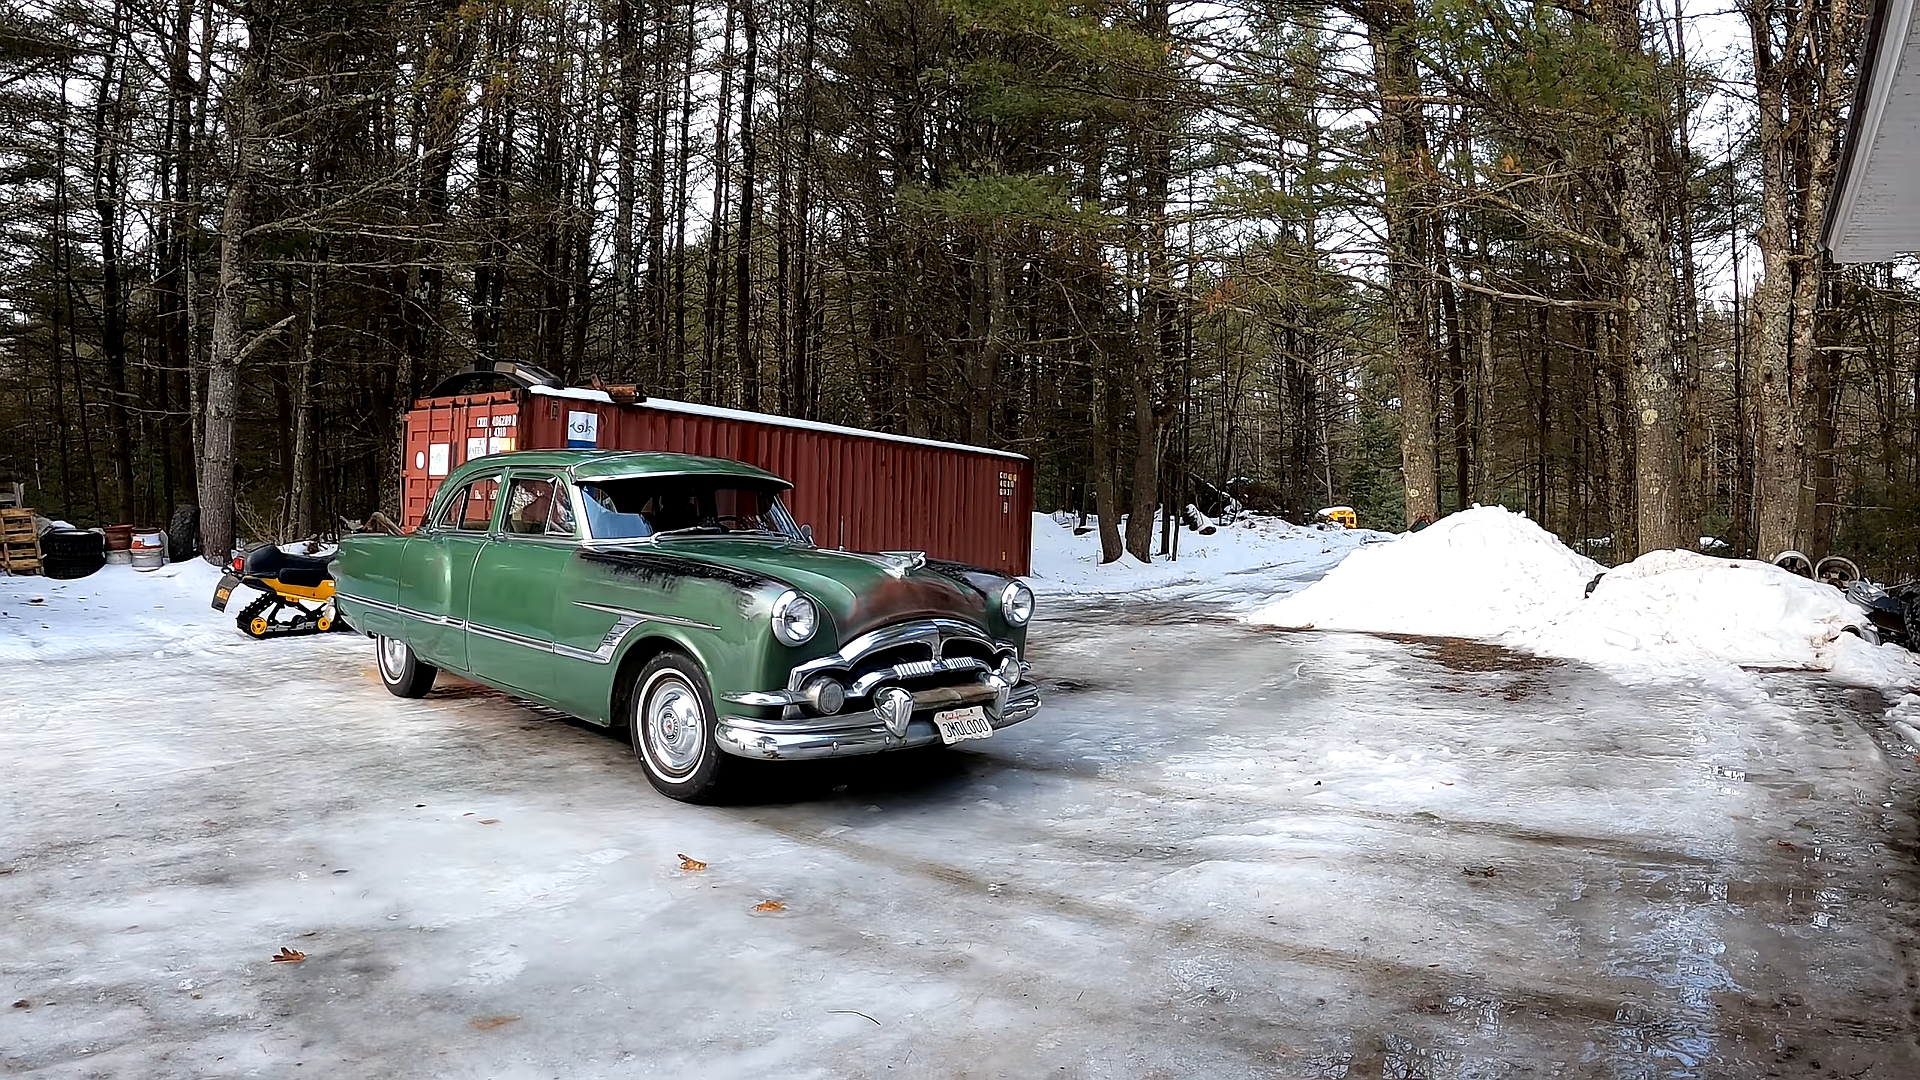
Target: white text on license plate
959,725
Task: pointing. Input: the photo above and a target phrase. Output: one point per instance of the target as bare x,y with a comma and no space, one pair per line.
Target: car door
515,583
437,570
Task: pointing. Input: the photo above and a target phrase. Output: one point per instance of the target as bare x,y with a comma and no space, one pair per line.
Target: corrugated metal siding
859,493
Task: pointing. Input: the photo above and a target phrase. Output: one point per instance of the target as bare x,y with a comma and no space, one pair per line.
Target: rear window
471,510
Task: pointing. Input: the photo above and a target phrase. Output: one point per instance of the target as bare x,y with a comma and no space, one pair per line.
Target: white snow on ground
115,612
1492,574
1478,574
1244,563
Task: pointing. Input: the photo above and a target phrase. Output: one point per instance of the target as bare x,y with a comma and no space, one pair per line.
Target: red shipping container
859,490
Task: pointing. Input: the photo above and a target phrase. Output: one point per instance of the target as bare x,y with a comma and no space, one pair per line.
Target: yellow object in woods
1342,516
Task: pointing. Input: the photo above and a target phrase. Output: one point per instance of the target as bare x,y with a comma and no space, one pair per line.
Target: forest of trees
1408,255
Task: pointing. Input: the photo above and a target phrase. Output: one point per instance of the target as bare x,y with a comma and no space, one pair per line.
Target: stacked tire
72,553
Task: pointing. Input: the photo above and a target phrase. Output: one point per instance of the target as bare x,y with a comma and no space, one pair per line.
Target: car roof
620,464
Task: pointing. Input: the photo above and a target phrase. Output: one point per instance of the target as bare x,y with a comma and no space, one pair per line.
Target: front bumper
859,732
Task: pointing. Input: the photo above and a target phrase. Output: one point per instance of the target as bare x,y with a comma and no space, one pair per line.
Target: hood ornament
896,563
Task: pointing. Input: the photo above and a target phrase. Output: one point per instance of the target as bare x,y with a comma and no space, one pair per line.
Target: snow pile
1480,573
114,612
1491,574
1247,561
1674,608
1904,718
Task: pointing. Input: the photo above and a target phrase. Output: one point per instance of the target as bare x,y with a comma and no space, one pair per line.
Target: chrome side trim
609,642
511,638
423,616
644,616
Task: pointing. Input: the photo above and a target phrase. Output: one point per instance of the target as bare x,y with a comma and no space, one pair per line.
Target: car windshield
684,506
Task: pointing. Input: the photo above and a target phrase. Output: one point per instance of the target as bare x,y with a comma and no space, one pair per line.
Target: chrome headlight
1016,603
794,618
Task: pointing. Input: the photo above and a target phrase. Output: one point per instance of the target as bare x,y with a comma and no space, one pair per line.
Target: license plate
959,725
224,591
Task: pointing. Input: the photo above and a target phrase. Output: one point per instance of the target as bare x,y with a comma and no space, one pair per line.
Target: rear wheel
255,618
401,672
672,728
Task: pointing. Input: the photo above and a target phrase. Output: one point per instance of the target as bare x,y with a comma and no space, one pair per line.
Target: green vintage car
674,596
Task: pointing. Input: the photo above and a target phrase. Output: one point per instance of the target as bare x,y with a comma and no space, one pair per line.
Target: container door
514,586
437,570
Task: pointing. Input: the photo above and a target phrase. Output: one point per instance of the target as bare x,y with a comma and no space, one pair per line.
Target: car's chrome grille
926,653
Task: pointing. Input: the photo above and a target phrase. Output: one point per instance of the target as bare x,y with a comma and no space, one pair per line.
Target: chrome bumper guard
862,732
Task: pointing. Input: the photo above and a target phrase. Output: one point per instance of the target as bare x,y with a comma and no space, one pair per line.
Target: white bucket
149,550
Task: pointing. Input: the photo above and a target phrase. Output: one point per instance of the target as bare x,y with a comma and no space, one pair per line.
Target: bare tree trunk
716,298
300,498
230,305
1397,80
107,195
743,255
1105,506
1646,291
625,167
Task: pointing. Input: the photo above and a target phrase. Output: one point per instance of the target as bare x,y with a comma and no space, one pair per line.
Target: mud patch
1461,654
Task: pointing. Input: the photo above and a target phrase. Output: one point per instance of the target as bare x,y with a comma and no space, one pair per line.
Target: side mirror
806,533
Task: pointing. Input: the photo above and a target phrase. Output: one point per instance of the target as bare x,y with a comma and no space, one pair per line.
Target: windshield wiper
695,530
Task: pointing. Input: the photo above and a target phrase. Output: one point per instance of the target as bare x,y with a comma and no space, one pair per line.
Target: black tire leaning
671,725
76,543
70,567
401,672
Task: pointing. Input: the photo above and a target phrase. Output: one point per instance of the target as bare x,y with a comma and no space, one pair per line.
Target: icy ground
1219,851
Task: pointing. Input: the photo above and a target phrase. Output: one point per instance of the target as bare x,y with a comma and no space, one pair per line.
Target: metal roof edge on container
691,409
1850,231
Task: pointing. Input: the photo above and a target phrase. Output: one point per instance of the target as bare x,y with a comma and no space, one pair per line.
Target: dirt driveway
1216,853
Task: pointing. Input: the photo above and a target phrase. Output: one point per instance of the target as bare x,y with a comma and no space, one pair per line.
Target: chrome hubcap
676,728
393,657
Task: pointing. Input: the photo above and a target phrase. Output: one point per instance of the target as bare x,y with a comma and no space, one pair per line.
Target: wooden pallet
19,543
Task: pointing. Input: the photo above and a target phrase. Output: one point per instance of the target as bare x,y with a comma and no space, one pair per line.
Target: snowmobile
300,583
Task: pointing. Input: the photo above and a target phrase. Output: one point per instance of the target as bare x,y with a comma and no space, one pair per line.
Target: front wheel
401,672
672,728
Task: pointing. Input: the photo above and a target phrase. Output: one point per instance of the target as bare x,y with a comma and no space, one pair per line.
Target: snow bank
1672,608
1491,574
114,612
1480,573
1250,560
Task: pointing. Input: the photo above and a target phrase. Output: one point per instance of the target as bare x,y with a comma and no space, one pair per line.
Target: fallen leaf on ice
288,956
769,905
23,1003
490,821
488,1023
689,863
1786,845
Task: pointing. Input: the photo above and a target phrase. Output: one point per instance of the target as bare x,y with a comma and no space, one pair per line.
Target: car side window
537,506
472,509
606,520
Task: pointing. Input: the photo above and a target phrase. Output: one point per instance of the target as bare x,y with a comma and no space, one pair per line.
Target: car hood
857,591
